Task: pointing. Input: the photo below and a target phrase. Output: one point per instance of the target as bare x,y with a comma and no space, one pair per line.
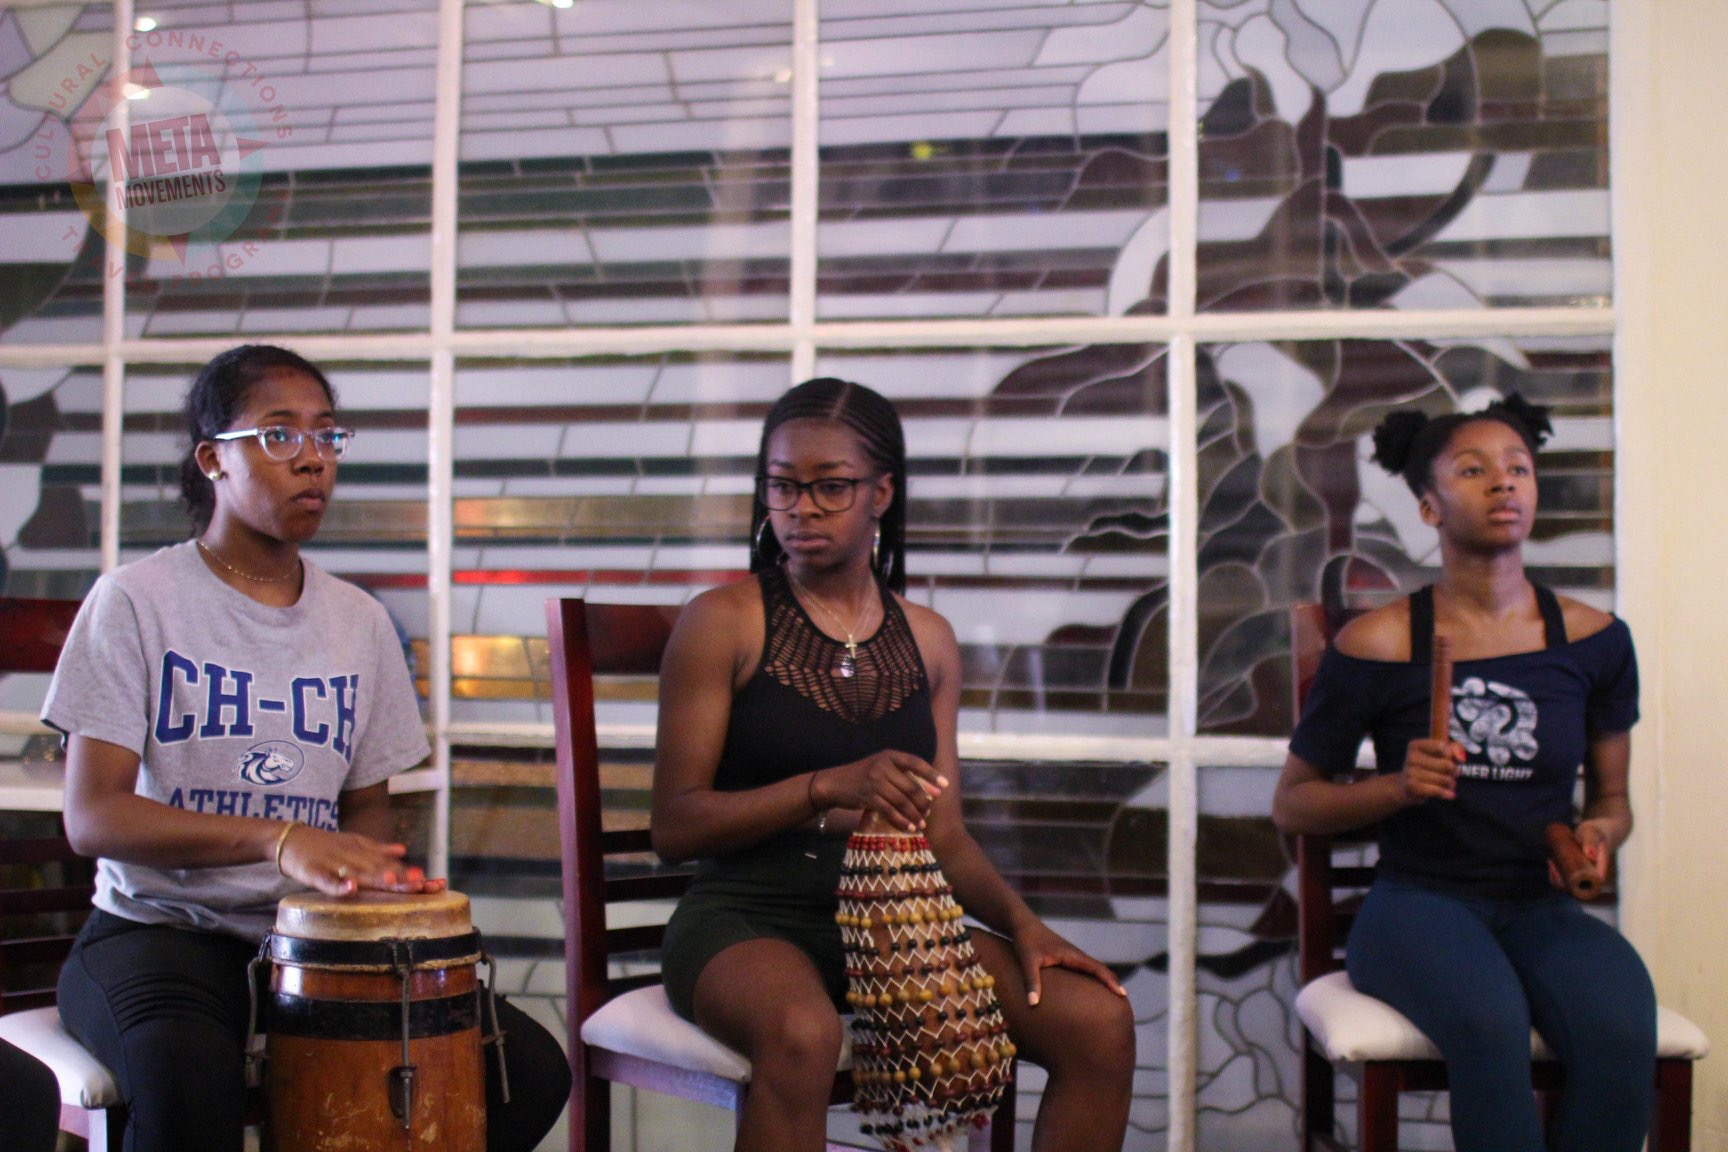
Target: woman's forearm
138,830
706,822
1323,807
978,887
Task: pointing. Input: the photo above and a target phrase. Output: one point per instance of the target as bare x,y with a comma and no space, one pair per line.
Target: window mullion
440,422
806,63
1183,511
114,317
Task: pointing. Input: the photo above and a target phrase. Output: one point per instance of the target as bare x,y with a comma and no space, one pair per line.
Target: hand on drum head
341,863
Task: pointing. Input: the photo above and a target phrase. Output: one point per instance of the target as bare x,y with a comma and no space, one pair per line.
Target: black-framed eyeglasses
831,493
280,442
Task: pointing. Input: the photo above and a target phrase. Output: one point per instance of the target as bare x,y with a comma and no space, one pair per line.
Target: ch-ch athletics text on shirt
203,700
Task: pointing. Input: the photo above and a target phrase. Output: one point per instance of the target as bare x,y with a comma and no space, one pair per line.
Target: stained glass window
991,161
1400,154
307,208
625,164
1292,509
53,58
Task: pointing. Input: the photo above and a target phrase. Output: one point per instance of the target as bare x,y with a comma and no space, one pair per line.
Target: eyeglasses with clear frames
831,493
280,442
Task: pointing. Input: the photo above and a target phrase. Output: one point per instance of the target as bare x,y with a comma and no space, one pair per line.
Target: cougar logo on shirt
272,762
1497,721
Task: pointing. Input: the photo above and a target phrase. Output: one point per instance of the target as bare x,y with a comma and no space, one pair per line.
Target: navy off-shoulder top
1524,720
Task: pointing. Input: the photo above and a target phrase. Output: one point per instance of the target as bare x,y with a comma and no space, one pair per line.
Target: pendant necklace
849,662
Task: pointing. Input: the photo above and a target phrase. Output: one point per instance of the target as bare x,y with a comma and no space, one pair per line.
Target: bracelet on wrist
821,814
281,842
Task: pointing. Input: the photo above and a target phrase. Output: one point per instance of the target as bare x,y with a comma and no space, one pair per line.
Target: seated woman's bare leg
1082,1034
766,999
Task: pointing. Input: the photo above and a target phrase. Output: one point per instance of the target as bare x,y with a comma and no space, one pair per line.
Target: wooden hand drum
373,1037
930,1055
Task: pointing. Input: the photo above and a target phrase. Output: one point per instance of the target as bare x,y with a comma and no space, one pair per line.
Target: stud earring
214,475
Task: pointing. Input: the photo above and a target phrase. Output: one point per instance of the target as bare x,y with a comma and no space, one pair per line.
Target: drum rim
385,954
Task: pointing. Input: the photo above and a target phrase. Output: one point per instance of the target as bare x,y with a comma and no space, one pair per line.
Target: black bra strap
1422,621
1422,625
1553,619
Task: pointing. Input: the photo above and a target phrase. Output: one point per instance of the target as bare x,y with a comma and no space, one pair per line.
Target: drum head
374,916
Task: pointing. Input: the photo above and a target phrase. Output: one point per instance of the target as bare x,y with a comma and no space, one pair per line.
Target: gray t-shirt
234,707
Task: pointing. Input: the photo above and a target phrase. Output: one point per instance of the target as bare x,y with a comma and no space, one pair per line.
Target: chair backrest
33,631
1332,872
45,891
585,641
45,887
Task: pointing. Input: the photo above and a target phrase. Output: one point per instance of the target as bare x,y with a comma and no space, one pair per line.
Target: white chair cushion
1350,1026
642,1023
83,1081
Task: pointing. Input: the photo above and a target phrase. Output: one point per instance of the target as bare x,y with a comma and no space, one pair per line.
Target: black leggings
29,1102
166,1010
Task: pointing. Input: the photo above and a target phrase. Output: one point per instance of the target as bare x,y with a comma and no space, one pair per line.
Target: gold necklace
849,662
205,548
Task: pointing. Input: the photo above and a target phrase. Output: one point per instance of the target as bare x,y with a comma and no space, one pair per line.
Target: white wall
1671,247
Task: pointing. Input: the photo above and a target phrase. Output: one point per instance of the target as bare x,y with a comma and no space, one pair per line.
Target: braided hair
215,397
867,413
1406,442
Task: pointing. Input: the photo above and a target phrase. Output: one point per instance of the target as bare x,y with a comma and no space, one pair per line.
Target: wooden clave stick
1574,867
1440,691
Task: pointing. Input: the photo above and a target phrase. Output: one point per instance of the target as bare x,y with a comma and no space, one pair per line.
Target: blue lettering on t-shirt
346,689
303,730
171,729
219,700
312,810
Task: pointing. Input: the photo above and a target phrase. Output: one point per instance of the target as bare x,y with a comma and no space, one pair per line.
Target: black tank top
798,713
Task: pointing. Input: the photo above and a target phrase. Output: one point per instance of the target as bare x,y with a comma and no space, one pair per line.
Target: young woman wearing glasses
791,704
232,716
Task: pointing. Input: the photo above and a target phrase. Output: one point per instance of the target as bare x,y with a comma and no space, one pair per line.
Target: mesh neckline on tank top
805,659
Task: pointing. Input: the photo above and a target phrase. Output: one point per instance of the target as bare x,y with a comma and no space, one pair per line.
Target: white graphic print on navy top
1497,721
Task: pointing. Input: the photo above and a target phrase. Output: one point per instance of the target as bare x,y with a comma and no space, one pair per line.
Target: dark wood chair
621,1028
1346,1030
45,891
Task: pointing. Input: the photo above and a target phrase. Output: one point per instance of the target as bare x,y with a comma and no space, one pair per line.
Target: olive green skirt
782,889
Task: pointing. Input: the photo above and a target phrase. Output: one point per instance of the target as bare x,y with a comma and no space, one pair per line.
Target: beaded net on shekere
930,1054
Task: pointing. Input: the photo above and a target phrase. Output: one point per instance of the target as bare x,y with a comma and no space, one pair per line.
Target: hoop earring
760,528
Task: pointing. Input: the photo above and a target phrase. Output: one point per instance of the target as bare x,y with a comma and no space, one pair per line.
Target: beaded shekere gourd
930,1054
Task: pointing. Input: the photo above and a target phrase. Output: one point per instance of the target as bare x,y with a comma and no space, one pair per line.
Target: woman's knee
805,1036
1089,1031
